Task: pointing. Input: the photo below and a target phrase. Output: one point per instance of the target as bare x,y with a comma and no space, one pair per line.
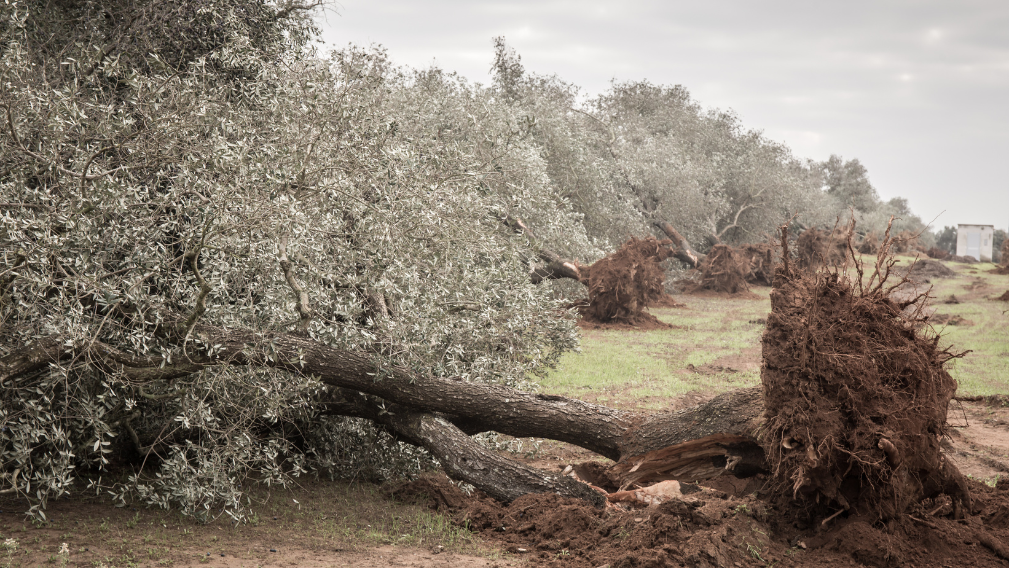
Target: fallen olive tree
439,414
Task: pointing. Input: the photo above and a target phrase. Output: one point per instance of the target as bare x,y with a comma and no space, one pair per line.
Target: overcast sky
917,91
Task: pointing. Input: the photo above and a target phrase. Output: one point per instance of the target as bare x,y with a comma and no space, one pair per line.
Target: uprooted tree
224,259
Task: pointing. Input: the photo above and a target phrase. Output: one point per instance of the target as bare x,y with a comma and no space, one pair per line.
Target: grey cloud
916,90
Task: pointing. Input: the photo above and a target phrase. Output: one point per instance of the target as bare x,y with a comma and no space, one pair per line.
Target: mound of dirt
724,270
710,527
1004,269
816,248
925,268
965,259
1004,297
761,258
624,283
855,397
938,253
948,319
644,322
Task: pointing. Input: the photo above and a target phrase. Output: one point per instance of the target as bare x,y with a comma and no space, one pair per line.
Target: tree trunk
555,267
440,413
683,251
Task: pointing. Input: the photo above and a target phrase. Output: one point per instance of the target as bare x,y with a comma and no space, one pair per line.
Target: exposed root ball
816,248
724,270
856,392
761,258
622,284
907,241
1003,267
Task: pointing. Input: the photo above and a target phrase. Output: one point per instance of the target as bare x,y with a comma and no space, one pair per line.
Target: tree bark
555,266
683,252
440,413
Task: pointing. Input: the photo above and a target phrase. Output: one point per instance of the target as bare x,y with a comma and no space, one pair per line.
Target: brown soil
701,293
731,525
816,247
643,322
1004,297
947,319
855,397
924,269
724,270
1000,269
623,283
761,258
965,259
317,525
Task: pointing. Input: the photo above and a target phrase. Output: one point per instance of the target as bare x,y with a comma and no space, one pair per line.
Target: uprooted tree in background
623,284
724,270
817,247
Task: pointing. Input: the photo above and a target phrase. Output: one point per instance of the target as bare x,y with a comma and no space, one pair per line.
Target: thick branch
475,407
683,251
556,266
465,459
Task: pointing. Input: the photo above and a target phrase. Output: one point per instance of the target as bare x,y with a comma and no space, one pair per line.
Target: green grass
635,366
985,370
642,368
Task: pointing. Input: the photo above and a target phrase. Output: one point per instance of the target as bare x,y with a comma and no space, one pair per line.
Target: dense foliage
199,158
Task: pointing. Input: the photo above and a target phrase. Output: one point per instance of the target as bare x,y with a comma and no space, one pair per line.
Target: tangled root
624,283
761,258
724,270
816,248
856,391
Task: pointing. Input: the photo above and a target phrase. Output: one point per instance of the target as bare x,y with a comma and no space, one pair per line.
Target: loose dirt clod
624,283
856,392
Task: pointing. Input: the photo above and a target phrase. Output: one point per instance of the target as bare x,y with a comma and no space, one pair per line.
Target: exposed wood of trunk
555,267
607,431
683,250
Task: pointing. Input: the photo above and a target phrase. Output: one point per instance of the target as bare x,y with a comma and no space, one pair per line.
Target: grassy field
713,346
